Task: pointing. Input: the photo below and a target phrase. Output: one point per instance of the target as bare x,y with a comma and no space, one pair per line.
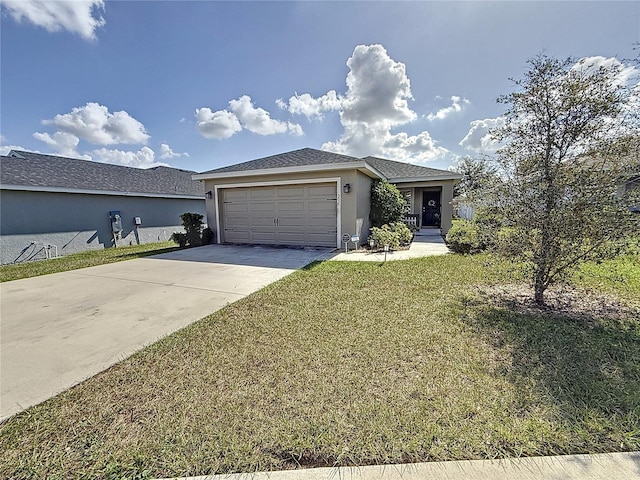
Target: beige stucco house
311,197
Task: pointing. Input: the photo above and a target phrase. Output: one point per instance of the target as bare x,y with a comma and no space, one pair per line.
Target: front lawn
348,363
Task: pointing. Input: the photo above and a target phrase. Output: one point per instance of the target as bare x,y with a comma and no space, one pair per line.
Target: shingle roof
48,171
296,158
391,169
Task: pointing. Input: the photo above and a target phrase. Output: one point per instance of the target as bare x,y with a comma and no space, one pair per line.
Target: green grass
88,258
347,363
620,276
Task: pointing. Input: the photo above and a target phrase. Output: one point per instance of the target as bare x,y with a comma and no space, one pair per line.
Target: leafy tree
570,138
478,174
387,204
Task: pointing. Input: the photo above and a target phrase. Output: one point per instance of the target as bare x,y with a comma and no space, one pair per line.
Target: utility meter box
116,221
137,221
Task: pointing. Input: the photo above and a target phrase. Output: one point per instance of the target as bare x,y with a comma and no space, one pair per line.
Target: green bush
207,236
382,236
179,238
404,233
463,237
488,221
510,242
192,236
387,204
394,234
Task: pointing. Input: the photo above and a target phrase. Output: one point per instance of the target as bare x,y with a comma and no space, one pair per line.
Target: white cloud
143,158
258,120
456,106
220,124
479,137
166,152
625,74
94,123
362,141
223,123
76,16
63,143
377,89
376,101
311,107
5,149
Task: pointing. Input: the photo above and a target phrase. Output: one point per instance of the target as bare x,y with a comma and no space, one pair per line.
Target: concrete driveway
57,330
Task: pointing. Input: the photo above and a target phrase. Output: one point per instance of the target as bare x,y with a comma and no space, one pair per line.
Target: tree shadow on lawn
582,364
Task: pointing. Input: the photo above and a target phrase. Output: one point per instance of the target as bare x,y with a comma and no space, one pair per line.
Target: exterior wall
77,222
351,212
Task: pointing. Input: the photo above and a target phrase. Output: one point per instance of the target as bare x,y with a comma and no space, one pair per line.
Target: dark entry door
431,209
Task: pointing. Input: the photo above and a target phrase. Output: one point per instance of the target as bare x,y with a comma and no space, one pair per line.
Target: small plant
207,236
463,237
179,238
383,235
193,234
405,236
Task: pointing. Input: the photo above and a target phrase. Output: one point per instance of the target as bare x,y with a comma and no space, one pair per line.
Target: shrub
383,235
387,204
207,236
488,222
192,223
179,238
463,237
404,233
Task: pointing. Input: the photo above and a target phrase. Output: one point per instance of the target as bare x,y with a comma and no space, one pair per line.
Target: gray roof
297,158
391,169
40,171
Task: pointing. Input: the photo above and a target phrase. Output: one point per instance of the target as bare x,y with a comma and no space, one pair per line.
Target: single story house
52,205
311,197
632,184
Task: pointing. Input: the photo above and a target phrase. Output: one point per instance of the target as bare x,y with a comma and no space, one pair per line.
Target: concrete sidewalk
605,466
422,246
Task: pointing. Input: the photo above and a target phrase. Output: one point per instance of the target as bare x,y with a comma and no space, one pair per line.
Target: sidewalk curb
603,466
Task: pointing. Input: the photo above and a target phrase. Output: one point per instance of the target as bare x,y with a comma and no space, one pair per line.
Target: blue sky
199,85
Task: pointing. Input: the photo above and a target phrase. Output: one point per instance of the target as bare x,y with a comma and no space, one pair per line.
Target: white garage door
303,214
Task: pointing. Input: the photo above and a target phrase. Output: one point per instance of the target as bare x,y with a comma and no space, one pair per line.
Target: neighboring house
51,203
632,183
312,198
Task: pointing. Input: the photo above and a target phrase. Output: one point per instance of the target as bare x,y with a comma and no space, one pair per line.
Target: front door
431,209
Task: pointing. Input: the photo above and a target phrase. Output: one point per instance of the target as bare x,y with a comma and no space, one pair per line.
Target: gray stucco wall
76,222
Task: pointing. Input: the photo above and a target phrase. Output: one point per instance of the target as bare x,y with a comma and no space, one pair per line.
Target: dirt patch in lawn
566,301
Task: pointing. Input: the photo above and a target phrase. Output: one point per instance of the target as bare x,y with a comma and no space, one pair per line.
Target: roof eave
361,165
37,188
453,176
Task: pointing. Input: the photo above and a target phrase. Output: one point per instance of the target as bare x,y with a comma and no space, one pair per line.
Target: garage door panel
291,221
262,207
327,207
322,190
262,193
291,206
288,192
236,207
236,194
237,236
288,215
259,236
